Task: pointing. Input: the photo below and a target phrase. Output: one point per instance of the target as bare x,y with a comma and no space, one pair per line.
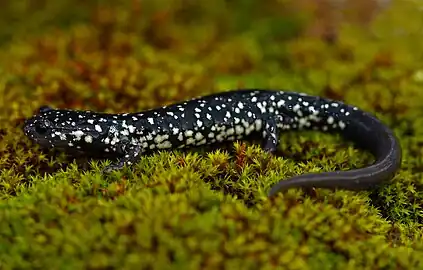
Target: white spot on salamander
78,134
131,128
88,139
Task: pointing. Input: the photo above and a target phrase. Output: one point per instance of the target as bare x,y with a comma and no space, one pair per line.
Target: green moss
206,208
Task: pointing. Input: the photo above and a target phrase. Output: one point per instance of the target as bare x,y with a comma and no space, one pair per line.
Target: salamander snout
36,128
26,127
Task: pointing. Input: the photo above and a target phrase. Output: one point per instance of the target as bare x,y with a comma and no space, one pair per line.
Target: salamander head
66,129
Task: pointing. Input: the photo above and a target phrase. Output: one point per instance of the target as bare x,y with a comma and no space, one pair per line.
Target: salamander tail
369,133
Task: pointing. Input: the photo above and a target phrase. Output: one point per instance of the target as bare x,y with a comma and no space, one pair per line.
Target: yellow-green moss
205,209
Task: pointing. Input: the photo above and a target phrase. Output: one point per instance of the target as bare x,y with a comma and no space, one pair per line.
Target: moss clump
206,208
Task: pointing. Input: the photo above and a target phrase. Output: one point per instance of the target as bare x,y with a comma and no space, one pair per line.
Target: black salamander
226,116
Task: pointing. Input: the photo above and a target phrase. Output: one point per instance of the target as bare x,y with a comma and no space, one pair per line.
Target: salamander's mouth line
221,117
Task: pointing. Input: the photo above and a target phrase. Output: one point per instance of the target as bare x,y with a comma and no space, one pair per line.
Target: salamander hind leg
270,135
271,126
131,154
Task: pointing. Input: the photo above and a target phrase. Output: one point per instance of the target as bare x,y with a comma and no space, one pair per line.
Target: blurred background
70,50
151,18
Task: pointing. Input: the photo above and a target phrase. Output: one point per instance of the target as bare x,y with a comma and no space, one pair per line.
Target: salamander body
226,116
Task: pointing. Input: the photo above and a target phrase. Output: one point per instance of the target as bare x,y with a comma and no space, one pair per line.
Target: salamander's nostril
26,127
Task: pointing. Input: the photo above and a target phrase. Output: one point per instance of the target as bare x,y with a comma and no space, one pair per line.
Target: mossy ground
206,208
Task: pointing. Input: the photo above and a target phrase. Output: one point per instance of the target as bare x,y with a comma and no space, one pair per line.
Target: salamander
224,117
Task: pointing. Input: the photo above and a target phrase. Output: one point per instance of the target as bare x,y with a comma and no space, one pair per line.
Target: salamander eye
44,109
42,128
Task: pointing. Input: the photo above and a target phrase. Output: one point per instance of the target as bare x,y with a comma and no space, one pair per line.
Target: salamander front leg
131,155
